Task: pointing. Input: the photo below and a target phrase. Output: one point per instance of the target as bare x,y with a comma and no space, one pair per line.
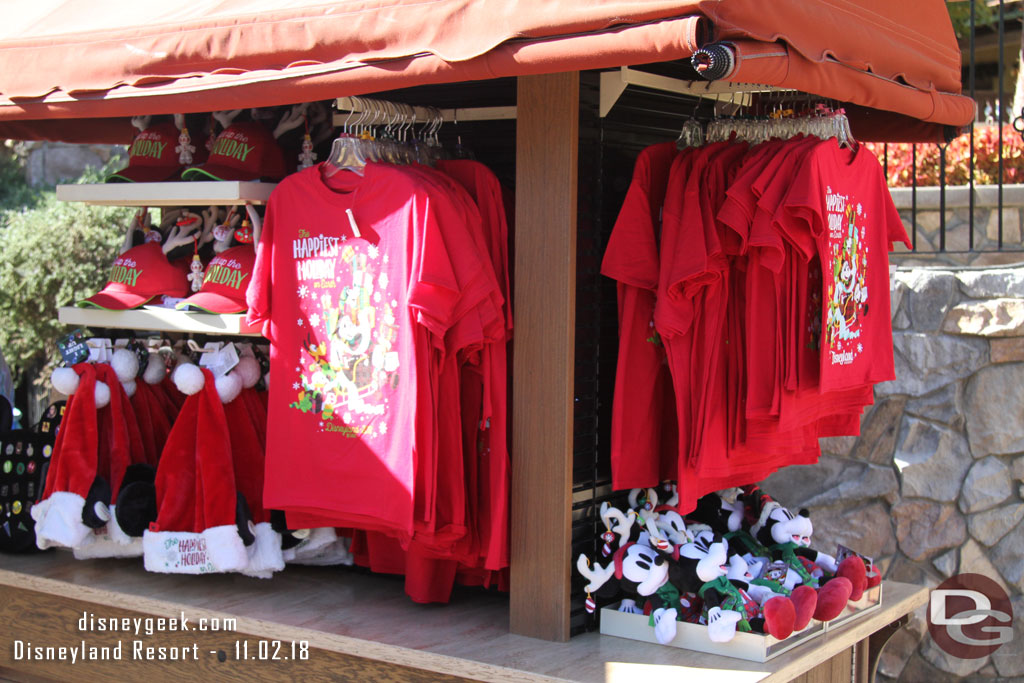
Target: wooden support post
547,135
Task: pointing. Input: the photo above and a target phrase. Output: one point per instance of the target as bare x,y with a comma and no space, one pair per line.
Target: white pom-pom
129,388
188,378
228,387
102,394
125,364
156,370
65,380
248,370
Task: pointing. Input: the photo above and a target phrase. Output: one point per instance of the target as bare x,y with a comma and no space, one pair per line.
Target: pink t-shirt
351,320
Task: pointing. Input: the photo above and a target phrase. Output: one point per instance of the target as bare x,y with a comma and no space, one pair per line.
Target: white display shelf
204,193
159,320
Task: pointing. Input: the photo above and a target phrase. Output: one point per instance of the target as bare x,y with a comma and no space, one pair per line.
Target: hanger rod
614,83
344,105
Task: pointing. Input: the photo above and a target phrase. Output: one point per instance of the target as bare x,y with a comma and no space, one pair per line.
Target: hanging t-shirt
841,197
351,320
643,432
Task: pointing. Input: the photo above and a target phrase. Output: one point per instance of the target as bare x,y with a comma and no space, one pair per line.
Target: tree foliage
960,16
51,254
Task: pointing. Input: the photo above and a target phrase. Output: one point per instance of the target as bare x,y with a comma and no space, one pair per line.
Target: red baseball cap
138,275
244,151
151,158
225,282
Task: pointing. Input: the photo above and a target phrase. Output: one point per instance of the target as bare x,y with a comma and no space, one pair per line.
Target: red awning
107,59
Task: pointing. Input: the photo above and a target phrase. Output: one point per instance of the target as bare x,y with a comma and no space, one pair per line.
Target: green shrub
51,254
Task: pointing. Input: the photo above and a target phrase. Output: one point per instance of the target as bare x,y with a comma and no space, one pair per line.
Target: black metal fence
963,201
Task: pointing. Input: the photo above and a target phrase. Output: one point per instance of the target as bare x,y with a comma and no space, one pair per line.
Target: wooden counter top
368,617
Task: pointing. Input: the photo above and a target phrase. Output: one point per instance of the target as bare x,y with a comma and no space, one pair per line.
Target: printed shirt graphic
840,195
351,321
349,369
846,290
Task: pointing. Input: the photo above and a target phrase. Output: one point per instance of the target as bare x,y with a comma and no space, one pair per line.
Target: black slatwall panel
608,151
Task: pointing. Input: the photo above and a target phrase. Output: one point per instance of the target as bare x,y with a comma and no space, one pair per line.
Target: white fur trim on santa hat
59,520
265,555
156,370
248,370
116,533
130,388
228,387
65,380
188,378
125,364
217,549
102,394
102,543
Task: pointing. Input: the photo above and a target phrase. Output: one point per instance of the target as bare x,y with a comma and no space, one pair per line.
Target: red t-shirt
484,382
841,198
643,431
351,321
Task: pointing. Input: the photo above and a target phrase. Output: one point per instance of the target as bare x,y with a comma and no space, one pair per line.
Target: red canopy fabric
116,58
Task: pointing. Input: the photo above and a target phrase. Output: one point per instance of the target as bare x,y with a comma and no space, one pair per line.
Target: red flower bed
986,159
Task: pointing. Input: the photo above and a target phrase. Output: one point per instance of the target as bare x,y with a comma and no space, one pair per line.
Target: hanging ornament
222,233
185,148
590,605
195,278
148,233
608,537
244,232
307,156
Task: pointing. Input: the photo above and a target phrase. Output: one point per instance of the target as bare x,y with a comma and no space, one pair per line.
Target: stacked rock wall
933,485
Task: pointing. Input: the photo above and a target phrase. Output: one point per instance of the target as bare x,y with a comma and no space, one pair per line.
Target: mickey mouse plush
639,572
728,605
787,538
726,519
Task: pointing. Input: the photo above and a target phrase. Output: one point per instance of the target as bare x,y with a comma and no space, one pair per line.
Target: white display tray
752,647
199,193
871,600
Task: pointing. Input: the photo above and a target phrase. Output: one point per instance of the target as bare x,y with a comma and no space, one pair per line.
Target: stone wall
933,485
49,163
959,249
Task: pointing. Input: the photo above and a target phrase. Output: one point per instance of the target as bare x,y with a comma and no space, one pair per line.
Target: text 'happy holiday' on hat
137,276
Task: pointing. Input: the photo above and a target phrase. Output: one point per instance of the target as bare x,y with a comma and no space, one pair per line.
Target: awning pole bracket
614,83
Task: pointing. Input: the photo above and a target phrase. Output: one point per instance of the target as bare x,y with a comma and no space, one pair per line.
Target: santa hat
265,556
60,515
196,530
619,555
120,447
126,364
